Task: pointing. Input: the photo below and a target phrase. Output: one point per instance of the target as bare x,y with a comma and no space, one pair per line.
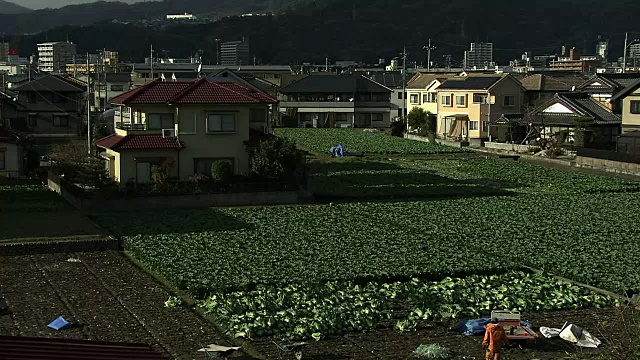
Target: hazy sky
39,4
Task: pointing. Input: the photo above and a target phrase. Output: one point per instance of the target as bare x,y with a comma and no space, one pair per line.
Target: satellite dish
199,68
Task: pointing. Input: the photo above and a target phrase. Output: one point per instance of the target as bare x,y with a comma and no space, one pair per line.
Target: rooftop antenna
199,69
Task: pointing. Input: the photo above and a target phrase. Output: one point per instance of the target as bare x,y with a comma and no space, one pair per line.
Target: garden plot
319,141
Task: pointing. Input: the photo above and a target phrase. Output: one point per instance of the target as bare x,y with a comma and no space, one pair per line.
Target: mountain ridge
11,8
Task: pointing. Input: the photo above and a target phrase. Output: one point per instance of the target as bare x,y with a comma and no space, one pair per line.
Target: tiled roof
582,104
421,81
139,142
471,83
628,90
335,84
552,82
202,91
32,348
50,83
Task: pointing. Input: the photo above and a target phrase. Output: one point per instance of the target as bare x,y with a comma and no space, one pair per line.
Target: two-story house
604,87
107,86
337,101
629,103
568,112
422,91
51,108
468,104
542,87
193,123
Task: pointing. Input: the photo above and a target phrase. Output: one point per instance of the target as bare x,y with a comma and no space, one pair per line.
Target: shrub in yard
275,158
423,121
221,171
161,174
432,351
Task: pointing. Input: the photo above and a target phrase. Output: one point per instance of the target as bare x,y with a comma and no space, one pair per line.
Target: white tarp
573,334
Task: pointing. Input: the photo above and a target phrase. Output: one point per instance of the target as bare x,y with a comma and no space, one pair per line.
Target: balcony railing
130,126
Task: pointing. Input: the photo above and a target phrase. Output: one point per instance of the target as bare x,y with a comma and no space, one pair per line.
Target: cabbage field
408,240
320,141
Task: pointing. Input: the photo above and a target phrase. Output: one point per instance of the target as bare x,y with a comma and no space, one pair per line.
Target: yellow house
422,91
468,103
629,99
190,124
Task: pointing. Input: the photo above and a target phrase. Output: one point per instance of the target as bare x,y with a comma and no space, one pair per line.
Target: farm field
35,213
319,141
106,298
401,235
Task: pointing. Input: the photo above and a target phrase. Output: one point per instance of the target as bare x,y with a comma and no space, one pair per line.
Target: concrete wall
507,147
608,165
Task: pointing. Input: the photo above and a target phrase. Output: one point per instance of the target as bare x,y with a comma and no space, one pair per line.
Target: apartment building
54,56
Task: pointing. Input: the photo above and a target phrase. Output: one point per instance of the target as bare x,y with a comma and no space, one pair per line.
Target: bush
161,174
221,171
276,158
423,121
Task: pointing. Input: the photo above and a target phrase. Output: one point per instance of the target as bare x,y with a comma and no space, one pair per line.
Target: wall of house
630,121
125,162
12,158
43,110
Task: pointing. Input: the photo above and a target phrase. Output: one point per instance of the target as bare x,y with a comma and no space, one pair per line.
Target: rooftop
138,142
576,105
471,83
335,84
50,83
553,82
201,91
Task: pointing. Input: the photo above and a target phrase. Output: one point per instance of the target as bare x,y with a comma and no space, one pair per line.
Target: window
479,98
60,120
377,117
485,126
430,98
446,100
33,120
400,95
3,163
414,98
258,115
461,100
221,123
160,121
473,125
143,172
202,166
635,106
509,101
116,88
342,117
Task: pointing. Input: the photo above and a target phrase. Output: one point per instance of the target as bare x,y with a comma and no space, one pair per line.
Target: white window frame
446,101
221,129
473,125
504,101
464,101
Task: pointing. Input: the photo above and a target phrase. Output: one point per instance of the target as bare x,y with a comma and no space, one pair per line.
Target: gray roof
48,83
114,77
470,83
335,84
583,104
214,68
392,79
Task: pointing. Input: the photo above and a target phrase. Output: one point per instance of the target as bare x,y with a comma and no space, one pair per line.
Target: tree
161,174
275,158
423,121
72,161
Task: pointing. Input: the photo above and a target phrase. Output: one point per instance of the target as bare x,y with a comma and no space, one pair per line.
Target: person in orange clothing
494,339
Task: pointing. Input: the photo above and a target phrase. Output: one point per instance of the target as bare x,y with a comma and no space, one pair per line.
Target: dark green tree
276,158
423,121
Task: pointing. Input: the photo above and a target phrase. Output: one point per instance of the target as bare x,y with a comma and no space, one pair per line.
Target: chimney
572,53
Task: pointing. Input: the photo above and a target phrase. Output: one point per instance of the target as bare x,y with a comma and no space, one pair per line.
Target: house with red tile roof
192,124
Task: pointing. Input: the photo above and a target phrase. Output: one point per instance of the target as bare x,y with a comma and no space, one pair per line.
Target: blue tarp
59,324
477,326
337,151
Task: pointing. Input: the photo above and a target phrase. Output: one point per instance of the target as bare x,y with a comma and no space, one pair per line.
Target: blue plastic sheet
477,326
59,324
337,151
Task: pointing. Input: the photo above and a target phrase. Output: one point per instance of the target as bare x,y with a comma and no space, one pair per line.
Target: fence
96,201
609,155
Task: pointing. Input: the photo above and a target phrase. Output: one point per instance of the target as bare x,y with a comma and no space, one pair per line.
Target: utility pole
404,90
326,64
106,85
152,77
218,51
429,56
99,83
88,107
624,57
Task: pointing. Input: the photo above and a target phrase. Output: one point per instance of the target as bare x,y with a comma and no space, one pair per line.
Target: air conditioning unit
168,133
